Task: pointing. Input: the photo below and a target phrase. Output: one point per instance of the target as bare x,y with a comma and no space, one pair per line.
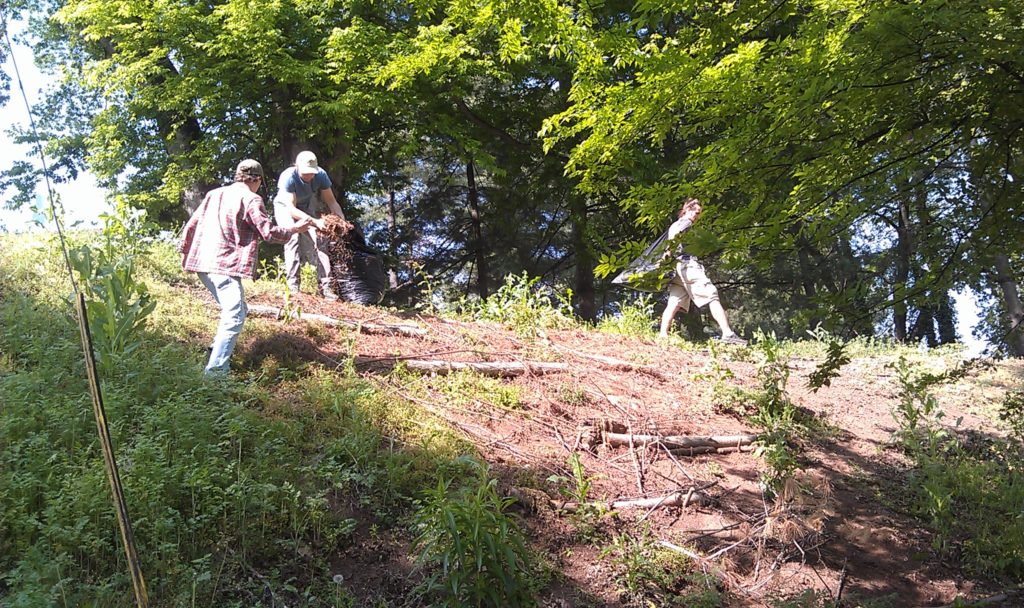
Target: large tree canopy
858,159
813,125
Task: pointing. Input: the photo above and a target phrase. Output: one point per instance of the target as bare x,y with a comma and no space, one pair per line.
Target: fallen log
273,312
692,496
676,442
487,368
613,363
1013,597
706,449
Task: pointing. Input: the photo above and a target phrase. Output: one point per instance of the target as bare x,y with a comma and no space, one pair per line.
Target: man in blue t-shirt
302,190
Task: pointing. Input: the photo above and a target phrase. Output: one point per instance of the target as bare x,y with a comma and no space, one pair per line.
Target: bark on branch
370,328
682,498
615,434
486,368
681,442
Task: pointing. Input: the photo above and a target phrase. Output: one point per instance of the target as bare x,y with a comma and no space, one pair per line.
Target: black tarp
359,276
649,271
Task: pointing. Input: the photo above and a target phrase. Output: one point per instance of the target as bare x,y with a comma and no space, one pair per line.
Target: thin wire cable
42,157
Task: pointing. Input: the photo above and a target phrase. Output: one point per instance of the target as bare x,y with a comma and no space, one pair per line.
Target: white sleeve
678,227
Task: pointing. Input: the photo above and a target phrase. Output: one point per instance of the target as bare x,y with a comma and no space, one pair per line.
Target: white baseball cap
306,163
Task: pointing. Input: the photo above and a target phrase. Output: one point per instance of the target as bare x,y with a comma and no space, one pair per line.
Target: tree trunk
945,317
584,279
924,326
899,292
1011,298
182,132
807,273
336,164
392,240
473,199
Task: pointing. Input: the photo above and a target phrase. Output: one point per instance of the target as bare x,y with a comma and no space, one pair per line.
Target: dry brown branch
686,503
692,496
712,532
678,465
273,312
435,353
486,368
613,363
710,450
1014,597
676,442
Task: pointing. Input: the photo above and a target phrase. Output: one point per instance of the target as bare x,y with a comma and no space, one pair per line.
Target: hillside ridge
839,534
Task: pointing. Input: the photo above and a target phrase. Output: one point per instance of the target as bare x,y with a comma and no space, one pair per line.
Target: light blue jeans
229,294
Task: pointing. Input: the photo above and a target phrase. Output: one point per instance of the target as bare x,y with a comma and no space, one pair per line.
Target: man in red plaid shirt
219,243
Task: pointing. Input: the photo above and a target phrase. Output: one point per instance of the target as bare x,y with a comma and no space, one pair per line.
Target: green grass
521,305
243,489
651,575
968,488
633,318
224,477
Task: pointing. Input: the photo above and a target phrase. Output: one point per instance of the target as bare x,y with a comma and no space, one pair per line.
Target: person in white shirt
690,283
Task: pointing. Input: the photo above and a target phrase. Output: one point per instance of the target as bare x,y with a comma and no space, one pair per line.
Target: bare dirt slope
849,527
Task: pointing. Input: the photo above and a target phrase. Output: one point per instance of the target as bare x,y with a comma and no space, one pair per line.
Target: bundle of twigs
335,235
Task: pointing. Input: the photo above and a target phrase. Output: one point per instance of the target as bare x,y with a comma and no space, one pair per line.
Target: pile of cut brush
357,270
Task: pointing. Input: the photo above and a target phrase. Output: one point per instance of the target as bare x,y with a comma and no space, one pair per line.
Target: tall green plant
523,306
473,548
776,414
969,492
116,302
633,319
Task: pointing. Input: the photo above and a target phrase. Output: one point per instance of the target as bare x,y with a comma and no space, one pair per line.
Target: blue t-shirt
291,183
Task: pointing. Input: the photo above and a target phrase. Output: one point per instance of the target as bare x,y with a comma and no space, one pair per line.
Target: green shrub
222,478
586,515
655,576
970,493
725,397
1011,412
836,356
465,387
522,306
117,303
209,483
634,318
473,550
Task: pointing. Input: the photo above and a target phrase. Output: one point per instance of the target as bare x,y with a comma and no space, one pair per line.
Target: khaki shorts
691,284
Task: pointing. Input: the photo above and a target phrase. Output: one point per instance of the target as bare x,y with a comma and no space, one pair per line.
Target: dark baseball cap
249,168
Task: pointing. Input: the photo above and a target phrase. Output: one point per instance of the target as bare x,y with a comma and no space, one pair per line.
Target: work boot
330,296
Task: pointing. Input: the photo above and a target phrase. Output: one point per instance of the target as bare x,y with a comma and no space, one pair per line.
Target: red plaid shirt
222,235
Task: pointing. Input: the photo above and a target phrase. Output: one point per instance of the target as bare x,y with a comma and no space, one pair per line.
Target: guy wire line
103,429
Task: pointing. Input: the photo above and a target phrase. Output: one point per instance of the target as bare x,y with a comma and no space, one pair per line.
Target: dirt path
849,528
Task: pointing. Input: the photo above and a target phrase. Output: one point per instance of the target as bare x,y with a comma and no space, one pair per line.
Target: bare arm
327,194
296,213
